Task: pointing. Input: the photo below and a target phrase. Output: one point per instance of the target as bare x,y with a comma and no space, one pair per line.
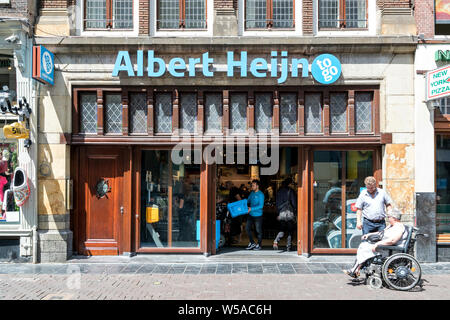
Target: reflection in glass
442,184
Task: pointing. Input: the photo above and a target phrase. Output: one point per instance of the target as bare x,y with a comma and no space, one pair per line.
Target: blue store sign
326,69
43,65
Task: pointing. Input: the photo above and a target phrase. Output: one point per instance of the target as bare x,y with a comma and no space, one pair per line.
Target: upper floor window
342,14
108,14
262,14
181,14
442,17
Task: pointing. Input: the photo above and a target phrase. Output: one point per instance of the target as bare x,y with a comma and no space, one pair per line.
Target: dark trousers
257,221
369,226
287,227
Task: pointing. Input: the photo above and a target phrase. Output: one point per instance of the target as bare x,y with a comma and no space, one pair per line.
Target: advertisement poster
442,11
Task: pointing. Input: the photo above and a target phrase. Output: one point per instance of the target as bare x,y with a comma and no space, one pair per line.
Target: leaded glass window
363,112
213,113
188,113
88,113
274,14
98,17
263,112
185,14
331,15
313,113
444,105
113,113
163,113
238,112
288,113
338,112
138,113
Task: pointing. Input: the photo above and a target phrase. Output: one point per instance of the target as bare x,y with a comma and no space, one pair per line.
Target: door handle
121,210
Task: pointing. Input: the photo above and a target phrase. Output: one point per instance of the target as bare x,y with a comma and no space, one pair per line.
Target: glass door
338,178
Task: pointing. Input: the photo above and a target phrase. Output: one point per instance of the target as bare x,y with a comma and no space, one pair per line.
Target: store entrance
234,183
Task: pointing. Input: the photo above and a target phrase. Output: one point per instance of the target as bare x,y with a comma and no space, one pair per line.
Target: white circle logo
47,62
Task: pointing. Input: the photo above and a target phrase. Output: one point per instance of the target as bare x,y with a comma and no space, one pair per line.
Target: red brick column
424,15
308,18
144,14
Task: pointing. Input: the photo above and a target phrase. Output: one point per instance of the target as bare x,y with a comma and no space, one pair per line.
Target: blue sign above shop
325,69
43,65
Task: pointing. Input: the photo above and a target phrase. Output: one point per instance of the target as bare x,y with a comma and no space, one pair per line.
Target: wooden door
101,214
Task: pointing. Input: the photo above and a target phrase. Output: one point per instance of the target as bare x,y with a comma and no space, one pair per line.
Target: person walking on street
286,203
371,206
255,203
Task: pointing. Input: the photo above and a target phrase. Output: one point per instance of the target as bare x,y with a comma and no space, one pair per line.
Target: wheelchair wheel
375,282
401,272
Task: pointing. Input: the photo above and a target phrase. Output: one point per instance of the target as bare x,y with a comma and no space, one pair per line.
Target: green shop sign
441,55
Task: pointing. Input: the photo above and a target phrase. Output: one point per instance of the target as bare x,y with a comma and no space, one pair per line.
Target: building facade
432,126
18,235
142,88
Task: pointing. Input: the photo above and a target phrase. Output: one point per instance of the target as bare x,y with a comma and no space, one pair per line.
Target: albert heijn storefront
158,136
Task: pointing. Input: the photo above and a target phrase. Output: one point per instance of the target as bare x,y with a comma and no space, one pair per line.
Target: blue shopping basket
238,208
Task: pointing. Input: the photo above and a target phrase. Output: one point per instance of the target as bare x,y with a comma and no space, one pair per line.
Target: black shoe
251,246
257,247
288,249
351,273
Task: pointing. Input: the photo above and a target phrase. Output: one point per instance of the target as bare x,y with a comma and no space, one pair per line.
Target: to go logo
326,69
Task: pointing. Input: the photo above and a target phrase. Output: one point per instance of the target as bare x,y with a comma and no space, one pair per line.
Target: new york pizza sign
438,83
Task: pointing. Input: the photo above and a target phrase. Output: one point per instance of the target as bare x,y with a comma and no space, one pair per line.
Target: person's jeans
257,221
369,226
286,227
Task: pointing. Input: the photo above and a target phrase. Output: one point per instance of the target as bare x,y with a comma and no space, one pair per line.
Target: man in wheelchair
374,256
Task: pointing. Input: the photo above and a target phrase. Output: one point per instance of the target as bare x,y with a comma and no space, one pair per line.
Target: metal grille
113,113
123,14
255,13
338,112
88,112
195,14
188,119
213,112
95,14
168,14
263,112
163,113
288,113
444,105
283,13
313,113
238,112
328,13
355,13
138,113
363,112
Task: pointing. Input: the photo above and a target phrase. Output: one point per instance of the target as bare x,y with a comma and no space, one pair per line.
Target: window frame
342,17
269,17
109,17
182,17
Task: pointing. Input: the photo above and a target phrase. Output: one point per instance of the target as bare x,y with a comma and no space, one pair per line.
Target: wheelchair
398,270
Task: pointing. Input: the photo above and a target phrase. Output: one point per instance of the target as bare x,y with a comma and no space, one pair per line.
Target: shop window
338,112
8,154
170,201
288,113
181,14
188,113
363,112
442,184
313,113
342,14
238,112
163,113
113,113
263,112
442,17
138,113
334,223
262,14
444,106
213,113
88,113
108,14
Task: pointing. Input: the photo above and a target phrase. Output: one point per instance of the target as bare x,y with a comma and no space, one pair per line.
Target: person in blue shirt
255,203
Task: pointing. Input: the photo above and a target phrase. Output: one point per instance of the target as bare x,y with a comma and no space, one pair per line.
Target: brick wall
17,8
226,4
424,15
144,12
48,4
394,3
308,19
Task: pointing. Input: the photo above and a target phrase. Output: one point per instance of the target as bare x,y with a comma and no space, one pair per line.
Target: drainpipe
35,244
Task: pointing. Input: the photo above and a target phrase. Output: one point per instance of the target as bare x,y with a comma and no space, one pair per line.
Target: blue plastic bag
238,208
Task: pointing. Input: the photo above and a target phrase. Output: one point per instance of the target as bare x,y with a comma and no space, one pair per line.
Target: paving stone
208,269
270,268
192,269
223,269
177,269
286,268
146,268
161,268
255,268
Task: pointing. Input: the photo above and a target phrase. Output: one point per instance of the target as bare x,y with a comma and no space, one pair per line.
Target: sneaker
251,246
352,274
288,249
20,187
275,246
257,247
